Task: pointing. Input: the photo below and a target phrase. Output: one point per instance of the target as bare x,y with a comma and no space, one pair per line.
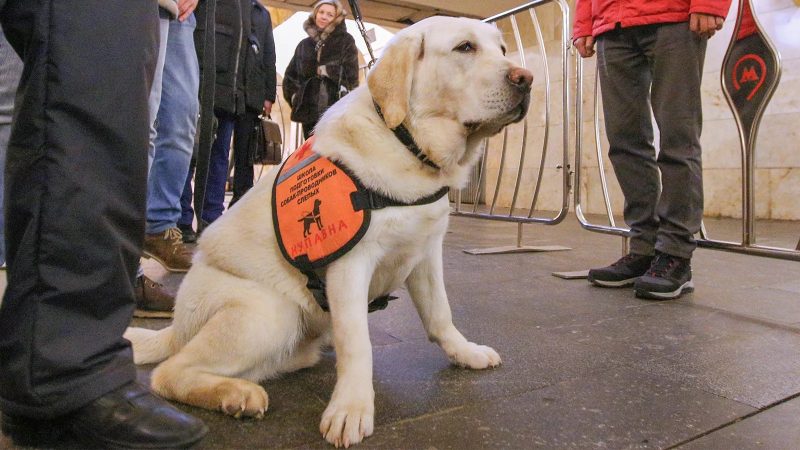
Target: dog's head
453,69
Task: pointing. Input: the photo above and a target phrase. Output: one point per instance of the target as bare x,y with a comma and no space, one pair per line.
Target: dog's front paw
474,356
347,421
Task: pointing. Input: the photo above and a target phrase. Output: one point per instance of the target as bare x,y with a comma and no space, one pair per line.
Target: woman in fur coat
324,66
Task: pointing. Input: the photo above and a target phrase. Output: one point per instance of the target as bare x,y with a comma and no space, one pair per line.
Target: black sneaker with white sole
668,278
621,273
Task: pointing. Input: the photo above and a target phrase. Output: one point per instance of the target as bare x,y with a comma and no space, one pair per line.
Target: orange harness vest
320,212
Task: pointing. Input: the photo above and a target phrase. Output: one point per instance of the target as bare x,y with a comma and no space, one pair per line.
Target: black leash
356,10
206,121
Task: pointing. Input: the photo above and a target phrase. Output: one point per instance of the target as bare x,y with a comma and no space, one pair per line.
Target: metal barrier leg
583,274
519,248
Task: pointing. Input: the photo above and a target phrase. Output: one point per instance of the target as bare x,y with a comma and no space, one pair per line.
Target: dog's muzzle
521,79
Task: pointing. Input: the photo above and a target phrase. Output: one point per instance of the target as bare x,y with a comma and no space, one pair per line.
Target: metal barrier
491,211
527,215
747,129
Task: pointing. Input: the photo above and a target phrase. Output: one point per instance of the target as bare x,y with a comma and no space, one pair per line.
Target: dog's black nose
522,78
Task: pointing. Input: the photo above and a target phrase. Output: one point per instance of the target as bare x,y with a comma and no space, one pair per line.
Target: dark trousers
213,202
655,68
308,128
75,193
238,128
242,161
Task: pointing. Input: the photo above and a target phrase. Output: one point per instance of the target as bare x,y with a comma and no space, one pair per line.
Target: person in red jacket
650,61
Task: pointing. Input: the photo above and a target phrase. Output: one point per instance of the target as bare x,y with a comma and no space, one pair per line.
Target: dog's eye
503,48
466,47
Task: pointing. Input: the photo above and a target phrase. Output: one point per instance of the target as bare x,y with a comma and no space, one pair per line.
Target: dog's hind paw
344,425
474,356
245,399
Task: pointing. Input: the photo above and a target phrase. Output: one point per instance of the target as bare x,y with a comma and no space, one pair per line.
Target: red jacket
748,25
594,17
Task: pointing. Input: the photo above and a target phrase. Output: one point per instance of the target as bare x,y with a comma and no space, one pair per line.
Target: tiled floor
583,367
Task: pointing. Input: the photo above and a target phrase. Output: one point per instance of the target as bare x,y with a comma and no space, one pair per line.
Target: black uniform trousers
75,199
243,175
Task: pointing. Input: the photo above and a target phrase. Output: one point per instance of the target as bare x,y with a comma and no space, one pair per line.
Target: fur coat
332,49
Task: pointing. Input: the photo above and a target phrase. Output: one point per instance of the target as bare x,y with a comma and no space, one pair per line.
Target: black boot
188,234
126,418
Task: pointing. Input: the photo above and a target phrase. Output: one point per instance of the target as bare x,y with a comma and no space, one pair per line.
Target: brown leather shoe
152,300
168,249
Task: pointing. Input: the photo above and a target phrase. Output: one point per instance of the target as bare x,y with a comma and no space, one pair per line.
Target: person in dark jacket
324,66
260,86
75,179
245,88
650,60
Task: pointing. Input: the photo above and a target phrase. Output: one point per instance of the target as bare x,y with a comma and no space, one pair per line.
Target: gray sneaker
621,273
668,277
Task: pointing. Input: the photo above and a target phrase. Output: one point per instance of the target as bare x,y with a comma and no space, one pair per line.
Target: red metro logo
749,70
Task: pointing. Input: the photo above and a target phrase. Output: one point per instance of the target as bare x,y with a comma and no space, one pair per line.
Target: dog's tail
151,346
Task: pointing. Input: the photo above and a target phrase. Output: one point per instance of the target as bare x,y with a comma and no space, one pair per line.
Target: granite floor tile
774,428
757,369
619,408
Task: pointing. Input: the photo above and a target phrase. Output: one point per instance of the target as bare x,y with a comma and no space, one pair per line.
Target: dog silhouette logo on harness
314,217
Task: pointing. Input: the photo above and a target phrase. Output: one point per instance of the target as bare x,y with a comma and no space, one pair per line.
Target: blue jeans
10,72
5,133
176,125
213,206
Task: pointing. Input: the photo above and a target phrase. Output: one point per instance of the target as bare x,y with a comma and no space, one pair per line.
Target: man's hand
705,25
585,46
267,107
186,7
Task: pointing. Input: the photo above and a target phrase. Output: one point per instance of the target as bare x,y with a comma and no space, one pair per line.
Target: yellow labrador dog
243,314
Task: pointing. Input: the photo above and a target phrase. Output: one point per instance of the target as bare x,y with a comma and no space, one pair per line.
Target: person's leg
154,100
678,55
176,125
10,73
625,80
174,143
243,168
218,169
75,183
308,129
186,218
187,212
5,132
76,176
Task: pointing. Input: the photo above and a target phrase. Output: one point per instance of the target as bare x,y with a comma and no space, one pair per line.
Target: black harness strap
368,199
316,285
404,136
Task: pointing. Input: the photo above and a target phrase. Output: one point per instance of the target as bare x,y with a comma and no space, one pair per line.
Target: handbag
266,143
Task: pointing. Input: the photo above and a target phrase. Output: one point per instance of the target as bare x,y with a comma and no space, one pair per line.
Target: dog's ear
390,81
